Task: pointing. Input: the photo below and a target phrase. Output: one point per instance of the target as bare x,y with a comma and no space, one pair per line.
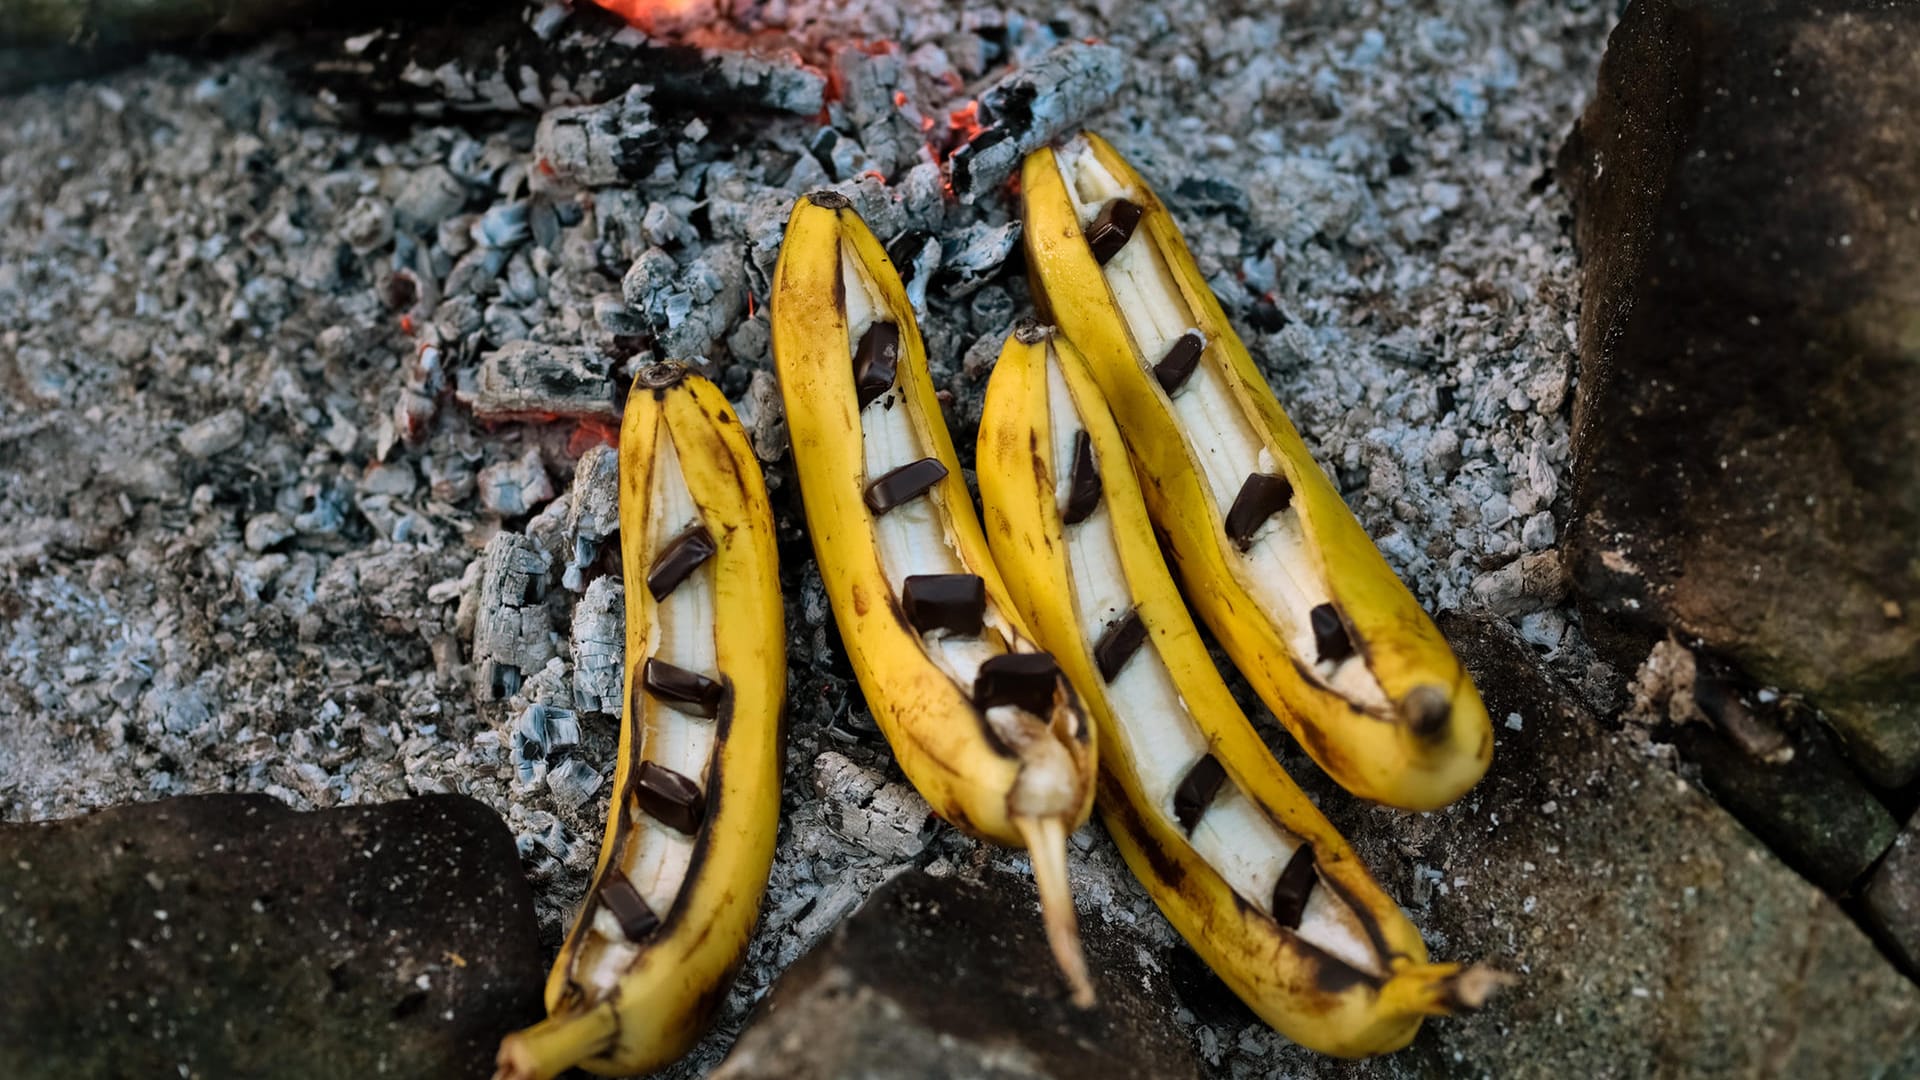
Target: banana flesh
979,717
1237,858
1272,559
696,793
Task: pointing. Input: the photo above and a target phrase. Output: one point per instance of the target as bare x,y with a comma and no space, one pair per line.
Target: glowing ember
965,121
663,16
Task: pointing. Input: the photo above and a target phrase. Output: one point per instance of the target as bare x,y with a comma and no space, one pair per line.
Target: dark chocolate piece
1118,642
688,691
1112,228
876,361
956,603
1083,484
669,798
1330,634
1023,680
904,484
1261,497
1183,356
1296,882
629,909
1196,791
682,556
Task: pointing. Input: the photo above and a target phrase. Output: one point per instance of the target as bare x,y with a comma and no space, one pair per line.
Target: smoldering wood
526,380
1030,108
511,631
501,63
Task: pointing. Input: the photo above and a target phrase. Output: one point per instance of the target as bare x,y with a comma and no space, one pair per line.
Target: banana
1237,858
1270,556
690,832
979,718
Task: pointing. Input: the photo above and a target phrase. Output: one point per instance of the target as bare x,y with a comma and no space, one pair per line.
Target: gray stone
1892,897
940,978
1651,934
1747,469
227,935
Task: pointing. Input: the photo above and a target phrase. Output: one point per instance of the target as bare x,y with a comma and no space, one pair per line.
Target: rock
1747,470
1892,897
227,935
947,978
1652,935
1781,776
215,435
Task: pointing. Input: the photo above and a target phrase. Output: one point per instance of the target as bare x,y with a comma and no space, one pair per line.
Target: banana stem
1046,839
557,1043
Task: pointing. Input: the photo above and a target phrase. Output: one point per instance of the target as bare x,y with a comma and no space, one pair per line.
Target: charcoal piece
1330,634
904,484
688,691
527,380
628,908
1083,484
681,557
876,362
1023,680
669,798
956,603
1118,642
1296,882
1183,356
1036,103
1112,228
1197,790
1261,497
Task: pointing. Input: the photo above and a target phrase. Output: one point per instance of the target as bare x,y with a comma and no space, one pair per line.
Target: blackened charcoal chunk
628,908
1118,642
876,361
681,557
904,484
956,603
688,691
1196,792
1261,497
669,798
1330,634
1290,893
1183,356
1023,680
1112,228
1083,486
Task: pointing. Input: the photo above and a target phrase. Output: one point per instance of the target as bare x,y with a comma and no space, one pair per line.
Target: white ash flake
290,604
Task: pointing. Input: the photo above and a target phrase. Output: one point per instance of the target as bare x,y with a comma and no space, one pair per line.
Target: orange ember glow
965,121
659,16
589,434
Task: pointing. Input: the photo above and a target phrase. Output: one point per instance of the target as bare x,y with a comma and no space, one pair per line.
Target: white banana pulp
1234,835
1279,567
914,538
656,856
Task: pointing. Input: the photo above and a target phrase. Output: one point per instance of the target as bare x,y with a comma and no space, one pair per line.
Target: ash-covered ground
242,340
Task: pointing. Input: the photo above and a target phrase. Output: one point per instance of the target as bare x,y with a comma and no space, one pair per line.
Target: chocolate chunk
628,908
1196,792
682,556
1112,228
1330,634
876,361
956,603
904,484
1261,497
1083,485
1290,893
1118,642
688,691
669,798
1023,680
1183,356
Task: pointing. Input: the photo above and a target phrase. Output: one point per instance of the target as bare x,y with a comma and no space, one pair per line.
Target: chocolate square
956,603
688,691
628,908
1183,356
1022,679
904,484
1262,496
1196,791
1118,642
876,361
681,557
1296,882
1112,228
1330,634
669,798
1083,484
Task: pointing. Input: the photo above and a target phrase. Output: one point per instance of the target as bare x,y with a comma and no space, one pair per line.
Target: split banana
1272,559
1238,859
979,718
696,801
